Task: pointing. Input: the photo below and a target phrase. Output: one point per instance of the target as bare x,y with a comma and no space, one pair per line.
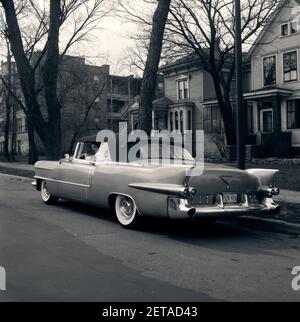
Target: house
189,101
17,136
271,92
275,83
122,92
91,99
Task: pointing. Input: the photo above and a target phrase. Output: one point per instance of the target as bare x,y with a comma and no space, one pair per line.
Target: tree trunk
47,131
33,155
8,105
148,87
13,134
226,111
53,141
7,127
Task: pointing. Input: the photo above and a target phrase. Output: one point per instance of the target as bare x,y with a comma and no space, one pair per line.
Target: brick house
81,87
17,138
122,93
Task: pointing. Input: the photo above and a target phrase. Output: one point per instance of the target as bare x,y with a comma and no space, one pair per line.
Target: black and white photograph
149,154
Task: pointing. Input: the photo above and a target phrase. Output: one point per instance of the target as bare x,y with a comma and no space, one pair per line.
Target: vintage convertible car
137,189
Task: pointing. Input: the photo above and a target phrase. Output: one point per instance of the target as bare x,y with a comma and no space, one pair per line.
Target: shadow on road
163,226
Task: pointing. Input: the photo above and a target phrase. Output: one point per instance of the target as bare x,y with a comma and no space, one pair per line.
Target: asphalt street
71,252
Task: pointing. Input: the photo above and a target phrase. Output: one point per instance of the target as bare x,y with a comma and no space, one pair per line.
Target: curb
273,225
17,172
14,177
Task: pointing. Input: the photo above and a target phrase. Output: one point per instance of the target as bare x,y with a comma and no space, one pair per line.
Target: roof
163,102
281,4
193,60
267,92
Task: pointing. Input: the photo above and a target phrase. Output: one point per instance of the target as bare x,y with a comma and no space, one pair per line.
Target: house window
293,114
156,123
269,70
25,126
19,127
294,27
285,30
250,120
289,28
1,147
171,122
19,145
207,120
190,126
176,120
166,121
2,128
290,66
267,121
212,119
181,121
183,89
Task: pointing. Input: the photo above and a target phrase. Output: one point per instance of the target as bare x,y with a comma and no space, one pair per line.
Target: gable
270,40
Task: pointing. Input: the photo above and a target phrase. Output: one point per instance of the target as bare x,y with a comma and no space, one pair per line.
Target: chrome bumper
181,209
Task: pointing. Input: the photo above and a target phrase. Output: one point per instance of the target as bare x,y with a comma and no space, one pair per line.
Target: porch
265,123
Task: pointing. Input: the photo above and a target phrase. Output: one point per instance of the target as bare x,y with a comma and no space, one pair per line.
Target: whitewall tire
127,212
46,196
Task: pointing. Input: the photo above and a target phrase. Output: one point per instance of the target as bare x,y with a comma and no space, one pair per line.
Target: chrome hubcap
126,207
46,194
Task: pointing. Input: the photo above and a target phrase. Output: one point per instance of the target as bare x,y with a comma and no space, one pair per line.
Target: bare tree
43,113
7,100
148,87
11,88
80,93
203,30
206,30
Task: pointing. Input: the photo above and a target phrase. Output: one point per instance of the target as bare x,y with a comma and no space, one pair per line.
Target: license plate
230,198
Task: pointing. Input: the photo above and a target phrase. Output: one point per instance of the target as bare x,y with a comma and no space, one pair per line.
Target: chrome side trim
63,182
170,189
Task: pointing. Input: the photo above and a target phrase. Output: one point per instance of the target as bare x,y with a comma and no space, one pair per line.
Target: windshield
168,152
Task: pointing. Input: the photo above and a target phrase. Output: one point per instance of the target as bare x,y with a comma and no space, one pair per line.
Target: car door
75,179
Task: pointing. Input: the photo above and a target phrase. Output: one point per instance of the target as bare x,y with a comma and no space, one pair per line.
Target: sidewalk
289,196
17,165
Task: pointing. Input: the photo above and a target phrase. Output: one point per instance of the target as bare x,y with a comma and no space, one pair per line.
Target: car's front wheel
46,196
126,211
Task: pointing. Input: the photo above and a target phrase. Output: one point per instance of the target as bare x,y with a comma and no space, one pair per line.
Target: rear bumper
180,209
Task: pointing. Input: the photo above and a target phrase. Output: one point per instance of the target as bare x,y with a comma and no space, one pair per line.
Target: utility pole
240,112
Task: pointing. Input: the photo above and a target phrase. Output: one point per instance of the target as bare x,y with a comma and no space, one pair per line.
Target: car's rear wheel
46,196
126,211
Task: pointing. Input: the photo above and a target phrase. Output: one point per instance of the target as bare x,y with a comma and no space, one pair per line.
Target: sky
107,44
